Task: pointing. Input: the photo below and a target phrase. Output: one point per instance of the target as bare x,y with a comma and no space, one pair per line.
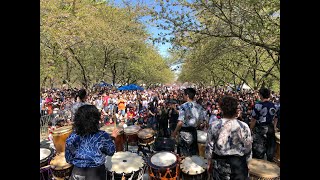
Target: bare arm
252,124
179,125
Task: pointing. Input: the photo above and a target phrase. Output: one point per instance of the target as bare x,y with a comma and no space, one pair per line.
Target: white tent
245,86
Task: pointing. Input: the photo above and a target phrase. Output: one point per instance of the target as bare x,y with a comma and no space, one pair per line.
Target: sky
162,48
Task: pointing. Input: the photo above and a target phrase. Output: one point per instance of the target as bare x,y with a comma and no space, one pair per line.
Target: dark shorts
95,173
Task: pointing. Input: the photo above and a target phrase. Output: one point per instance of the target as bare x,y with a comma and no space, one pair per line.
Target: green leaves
88,41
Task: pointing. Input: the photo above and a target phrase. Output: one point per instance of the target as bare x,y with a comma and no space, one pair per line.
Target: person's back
229,144
191,114
263,124
87,146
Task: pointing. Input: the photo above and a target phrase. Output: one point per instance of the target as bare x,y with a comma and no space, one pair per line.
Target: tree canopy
83,42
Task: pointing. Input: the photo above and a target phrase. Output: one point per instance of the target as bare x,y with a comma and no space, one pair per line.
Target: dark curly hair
229,105
264,92
86,120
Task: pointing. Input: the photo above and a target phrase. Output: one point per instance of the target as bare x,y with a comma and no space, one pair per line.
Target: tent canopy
130,87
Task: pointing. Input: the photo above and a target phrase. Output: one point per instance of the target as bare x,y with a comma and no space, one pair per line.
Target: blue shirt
89,150
264,112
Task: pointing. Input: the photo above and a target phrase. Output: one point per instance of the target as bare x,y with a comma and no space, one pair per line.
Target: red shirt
105,100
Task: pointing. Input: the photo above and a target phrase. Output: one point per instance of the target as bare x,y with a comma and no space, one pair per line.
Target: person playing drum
190,115
229,144
87,146
263,125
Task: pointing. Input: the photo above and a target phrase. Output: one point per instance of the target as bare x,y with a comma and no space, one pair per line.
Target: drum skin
131,134
60,136
124,164
119,140
194,167
164,172
45,156
260,169
146,136
60,168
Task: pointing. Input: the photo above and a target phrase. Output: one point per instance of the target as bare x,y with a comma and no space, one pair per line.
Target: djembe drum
60,136
131,134
119,140
163,165
277,154
146,136
60,168
124,165
202,138
260,169
194,167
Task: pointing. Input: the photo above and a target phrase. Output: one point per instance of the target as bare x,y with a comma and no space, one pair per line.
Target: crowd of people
240,124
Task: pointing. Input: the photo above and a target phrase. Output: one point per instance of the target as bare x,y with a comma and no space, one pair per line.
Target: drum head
263,168
163,159
44,153
62,130
131,129
110,128
59,162
124,162
202,136
193,165
146,133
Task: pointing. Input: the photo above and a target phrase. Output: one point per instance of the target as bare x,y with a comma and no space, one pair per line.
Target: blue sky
154,31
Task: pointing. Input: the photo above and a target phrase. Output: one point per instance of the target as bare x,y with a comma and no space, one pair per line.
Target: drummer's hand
115,132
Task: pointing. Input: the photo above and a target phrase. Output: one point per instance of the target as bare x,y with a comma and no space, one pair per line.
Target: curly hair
229,105
264,92
86,120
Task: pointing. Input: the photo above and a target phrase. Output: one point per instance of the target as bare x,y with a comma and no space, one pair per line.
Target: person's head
190,93
229,106
264,93
82,94
86,120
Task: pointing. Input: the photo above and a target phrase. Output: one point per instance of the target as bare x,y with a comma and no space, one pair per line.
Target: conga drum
125,165
60,136
60,168
146,136
163,165
202,138
277,154
131,134
119,141
194,167
260,169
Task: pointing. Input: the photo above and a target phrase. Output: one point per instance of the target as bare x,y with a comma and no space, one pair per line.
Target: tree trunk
114,73
85,80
